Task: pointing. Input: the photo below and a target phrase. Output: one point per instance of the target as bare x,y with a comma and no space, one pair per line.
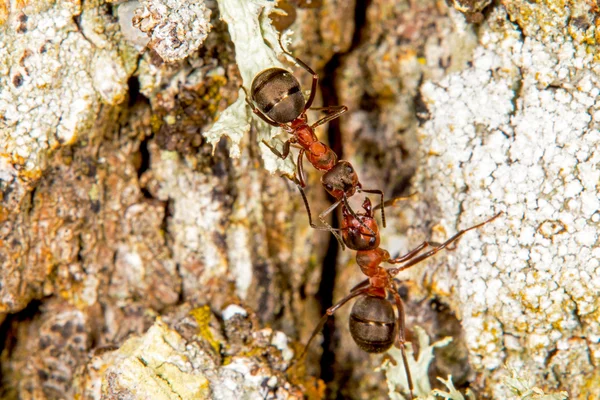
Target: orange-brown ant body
276,97
373,324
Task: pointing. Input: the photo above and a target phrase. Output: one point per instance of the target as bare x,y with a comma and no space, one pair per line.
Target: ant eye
349,169
329,186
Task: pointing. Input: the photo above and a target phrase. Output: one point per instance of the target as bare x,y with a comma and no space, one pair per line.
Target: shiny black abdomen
276,92
373,324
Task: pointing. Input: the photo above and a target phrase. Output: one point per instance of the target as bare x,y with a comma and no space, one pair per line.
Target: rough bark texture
144,255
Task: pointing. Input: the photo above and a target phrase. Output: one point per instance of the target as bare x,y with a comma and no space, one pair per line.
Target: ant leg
300,166
402,336
334,112
331,228
392,202
307,206
328,211
315,80
394,271
379,192
327,227
330,311
265,118
351,211
414,252
286,149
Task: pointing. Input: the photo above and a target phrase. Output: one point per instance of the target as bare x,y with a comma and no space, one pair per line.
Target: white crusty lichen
256,49
233,310
54,76
125,13
176,28
517,131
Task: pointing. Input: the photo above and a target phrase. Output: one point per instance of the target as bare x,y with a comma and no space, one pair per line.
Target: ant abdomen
276,92
373,324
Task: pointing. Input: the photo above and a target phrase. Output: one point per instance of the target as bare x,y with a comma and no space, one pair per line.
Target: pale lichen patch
256,49
166,364
156,365
133,35
523,388
396,374
529,152
56,77
176,28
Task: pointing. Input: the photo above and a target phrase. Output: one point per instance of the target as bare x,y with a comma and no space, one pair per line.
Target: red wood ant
373,324
276,97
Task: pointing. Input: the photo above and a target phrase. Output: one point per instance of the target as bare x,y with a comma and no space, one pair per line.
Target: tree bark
148,248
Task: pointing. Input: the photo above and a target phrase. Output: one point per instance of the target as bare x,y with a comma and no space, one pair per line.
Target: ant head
373,324
276,93
356,233
340,179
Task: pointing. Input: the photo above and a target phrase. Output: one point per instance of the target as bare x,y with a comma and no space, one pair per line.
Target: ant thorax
356,235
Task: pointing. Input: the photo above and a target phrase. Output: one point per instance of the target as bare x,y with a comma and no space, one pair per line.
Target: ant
373,324
276,97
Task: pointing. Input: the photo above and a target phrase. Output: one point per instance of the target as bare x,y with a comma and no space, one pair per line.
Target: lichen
173,363
55,75
176,28
128,215
256,49
523,388
516,131
202,316
520,388
453,393
508,121
125,12
396,374
159,365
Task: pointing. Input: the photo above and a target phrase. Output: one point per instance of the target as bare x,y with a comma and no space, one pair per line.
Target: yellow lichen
4,11
202,315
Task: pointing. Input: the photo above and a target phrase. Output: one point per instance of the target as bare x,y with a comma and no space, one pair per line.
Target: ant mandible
276,97
373,324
